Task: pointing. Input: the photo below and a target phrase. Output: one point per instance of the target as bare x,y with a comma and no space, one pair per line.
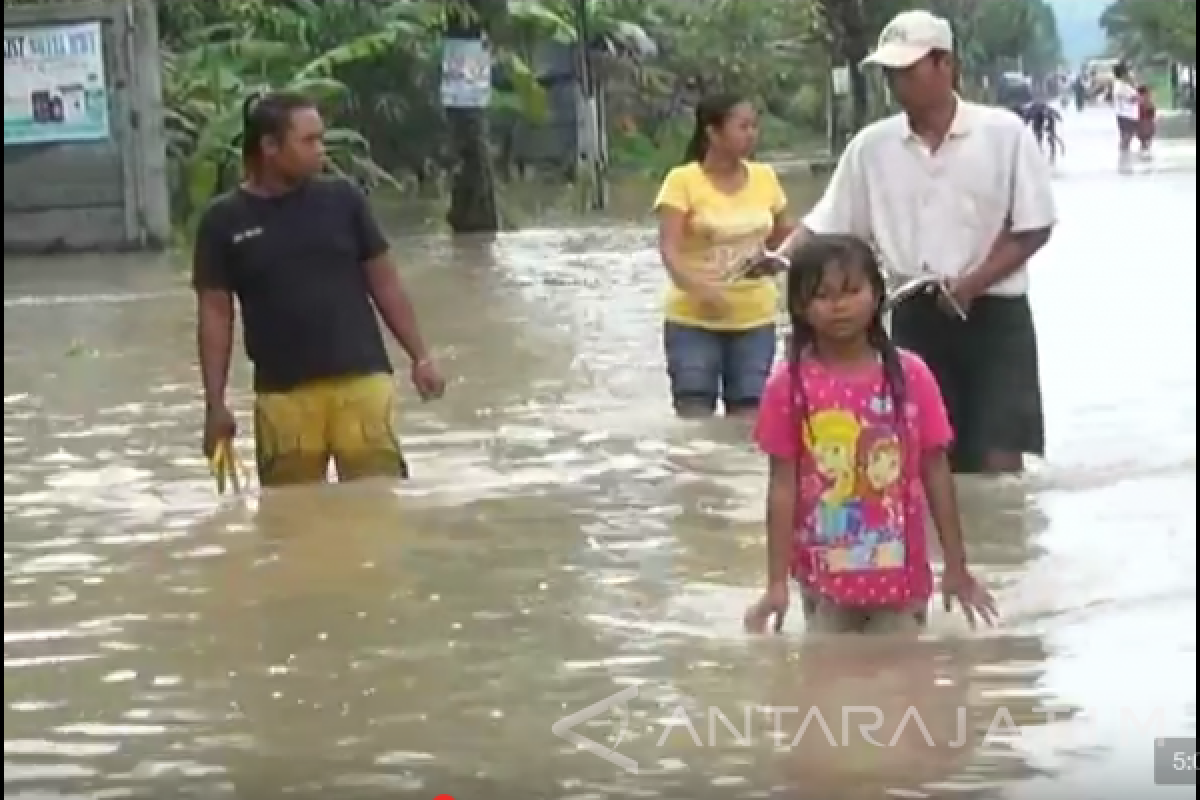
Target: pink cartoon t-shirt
860,536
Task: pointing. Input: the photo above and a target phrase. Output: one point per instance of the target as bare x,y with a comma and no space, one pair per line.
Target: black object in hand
765,265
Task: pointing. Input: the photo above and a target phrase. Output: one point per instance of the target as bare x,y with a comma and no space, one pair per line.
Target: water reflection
565,537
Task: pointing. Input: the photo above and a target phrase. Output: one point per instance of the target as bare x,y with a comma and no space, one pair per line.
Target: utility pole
590,139
837,89
466,93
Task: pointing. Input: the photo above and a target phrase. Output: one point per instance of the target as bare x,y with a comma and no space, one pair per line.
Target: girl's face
738,134
844,305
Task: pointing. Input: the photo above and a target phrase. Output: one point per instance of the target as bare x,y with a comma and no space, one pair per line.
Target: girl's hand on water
773,604
959,586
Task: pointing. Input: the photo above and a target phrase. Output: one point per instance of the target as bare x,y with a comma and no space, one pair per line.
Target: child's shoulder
781,374
914,366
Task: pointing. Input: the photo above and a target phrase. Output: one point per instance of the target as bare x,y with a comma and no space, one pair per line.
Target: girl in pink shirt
857,436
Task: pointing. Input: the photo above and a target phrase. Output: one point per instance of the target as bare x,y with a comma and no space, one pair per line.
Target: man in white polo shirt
1127,106
961,191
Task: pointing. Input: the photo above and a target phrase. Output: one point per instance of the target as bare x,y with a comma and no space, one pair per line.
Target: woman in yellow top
717,213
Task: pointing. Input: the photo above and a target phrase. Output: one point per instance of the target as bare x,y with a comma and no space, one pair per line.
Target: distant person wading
718,212
309,266
1127,107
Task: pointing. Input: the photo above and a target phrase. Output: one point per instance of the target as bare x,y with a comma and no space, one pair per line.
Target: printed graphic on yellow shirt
728,241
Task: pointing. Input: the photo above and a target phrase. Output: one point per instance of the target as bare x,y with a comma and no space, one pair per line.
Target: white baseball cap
909,37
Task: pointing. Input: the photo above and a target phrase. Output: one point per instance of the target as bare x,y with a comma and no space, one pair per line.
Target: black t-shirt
296,264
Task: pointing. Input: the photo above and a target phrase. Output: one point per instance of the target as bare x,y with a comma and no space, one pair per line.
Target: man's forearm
782,233
215,345
793,240
397,310
1010,252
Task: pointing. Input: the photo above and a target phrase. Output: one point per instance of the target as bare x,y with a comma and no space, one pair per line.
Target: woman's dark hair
711,112
269,116
805,273
1121,71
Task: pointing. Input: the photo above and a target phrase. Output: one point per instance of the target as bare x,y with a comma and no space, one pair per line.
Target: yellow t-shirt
724,231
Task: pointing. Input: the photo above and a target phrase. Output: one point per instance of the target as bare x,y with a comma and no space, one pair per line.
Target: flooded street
565,537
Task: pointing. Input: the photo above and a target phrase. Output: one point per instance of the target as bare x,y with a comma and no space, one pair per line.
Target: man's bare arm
792,242
1031,218
214,340
392,300
1010,252
782,230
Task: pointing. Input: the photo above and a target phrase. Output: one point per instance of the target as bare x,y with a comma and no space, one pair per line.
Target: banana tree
209,72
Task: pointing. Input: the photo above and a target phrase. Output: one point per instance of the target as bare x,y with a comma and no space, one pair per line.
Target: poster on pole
841,81
54,84
466,74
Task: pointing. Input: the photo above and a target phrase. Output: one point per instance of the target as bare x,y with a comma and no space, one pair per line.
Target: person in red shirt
1147,117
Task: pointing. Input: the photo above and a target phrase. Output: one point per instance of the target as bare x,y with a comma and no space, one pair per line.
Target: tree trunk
856,45
473,196
860,100
849,43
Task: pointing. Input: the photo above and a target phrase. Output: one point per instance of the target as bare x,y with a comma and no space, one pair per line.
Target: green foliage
217,53
1144,30
375,64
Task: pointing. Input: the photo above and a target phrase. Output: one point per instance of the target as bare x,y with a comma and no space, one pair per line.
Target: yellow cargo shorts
348,420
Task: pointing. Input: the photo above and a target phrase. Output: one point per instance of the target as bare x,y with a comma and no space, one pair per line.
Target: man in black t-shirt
309,266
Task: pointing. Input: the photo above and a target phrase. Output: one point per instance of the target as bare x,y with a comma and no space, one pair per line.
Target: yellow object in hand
225,467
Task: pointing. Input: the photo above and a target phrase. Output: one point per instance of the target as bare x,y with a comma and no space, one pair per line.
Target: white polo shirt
1125,100
940,212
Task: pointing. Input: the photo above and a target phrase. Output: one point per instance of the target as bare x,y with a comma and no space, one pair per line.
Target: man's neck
267,185
933,126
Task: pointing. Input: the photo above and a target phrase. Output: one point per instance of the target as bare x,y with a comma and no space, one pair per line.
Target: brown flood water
564,537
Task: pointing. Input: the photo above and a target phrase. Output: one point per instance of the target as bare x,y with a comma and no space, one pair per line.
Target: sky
1079,27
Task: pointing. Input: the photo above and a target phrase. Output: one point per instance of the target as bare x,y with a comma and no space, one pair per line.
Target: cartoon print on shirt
862,551
859,520
890,555
880,459
881,404
832,439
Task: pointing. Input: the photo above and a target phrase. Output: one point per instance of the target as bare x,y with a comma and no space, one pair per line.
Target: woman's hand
711,301
774,603
766,264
